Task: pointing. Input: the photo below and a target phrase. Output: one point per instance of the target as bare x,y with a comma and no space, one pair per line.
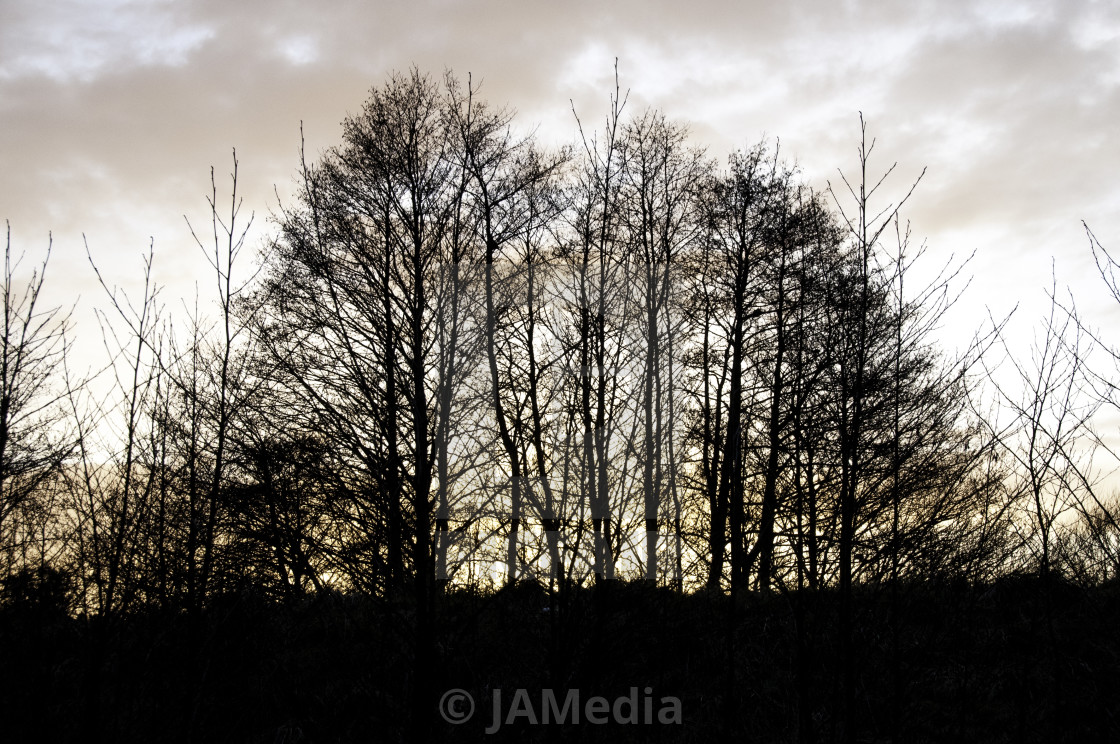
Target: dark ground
1021,661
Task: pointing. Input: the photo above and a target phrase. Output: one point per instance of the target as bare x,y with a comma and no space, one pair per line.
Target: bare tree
366,319
598,305
659,203
739,214
222,357
505,173
112,486
1050,407
857,337
34,439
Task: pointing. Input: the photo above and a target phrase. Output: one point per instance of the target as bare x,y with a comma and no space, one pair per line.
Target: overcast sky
113,111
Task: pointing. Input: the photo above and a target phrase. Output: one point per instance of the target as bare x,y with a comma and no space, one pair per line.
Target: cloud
112,112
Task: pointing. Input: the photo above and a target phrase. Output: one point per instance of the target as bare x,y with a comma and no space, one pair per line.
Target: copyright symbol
456,706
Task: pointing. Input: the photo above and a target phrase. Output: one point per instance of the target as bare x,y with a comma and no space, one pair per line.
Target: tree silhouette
483,415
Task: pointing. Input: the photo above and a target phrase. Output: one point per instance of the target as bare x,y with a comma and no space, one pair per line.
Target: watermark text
638,707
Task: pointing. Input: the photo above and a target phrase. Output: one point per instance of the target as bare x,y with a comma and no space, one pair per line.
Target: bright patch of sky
79,39
300,50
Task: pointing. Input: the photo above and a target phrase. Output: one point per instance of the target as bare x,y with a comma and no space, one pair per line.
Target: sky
113,111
